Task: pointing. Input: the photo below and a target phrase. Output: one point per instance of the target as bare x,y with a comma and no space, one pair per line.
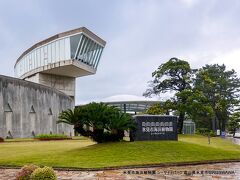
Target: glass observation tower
57,61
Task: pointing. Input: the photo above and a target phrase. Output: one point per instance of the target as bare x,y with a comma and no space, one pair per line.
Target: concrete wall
28,108
62,83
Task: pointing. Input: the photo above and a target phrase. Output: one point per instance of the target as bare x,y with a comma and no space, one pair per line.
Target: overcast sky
140,35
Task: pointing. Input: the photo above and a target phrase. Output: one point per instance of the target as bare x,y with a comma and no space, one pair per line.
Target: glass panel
79,47
38,58
79,57
20,68
53,52
22,64
49,53
42,56
62,50
57,51
67,48
83,55
27,63
96,55
45,55
74,40
92,53
98,59
23,68
30,61
35,59
91,43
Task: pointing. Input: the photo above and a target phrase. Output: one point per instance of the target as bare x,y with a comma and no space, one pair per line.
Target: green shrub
25,172
1,139
52,136
106,123
45,173
203,131
212,133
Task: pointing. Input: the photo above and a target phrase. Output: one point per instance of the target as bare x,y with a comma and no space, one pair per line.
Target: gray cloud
140,36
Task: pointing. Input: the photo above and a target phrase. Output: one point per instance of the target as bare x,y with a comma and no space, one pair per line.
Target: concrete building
57,61
28,109
133,106
45,83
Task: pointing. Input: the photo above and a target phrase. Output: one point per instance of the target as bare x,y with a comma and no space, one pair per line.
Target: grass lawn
83,153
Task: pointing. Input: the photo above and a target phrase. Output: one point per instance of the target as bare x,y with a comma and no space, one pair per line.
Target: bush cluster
33,172
43,173
100,122
205,132
26,172
51,136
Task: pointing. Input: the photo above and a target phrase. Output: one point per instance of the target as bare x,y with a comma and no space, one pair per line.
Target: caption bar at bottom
206,172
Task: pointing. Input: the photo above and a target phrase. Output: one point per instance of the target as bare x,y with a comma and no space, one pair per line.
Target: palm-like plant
119,123
75,118
100,117
69,116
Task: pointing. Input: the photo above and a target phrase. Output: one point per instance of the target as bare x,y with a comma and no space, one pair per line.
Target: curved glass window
78,47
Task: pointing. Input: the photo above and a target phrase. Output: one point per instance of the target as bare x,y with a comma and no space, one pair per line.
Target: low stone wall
28,109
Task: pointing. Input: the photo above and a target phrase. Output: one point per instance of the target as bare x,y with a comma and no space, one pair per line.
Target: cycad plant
74,117
106,123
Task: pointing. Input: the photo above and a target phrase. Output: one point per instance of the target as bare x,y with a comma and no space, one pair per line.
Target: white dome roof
127,97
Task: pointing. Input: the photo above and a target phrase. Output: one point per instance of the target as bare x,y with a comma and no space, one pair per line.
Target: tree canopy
174,75
234,123
207,95
220,87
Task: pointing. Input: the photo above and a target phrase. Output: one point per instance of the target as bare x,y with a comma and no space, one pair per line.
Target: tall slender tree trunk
213,123
180,122
223,125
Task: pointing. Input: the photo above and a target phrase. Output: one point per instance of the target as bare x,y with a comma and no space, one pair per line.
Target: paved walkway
221,171
234,140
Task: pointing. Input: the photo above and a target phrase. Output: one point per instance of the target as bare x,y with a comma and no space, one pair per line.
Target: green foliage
98,121
70,116
157,109
87,154
212,133
202,131
220,88
174,75
208,95
25,172
205,132
196,107
51,136
234,123
43,173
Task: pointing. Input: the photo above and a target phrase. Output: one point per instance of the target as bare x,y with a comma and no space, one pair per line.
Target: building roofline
60,35
133,102
128,102
33,84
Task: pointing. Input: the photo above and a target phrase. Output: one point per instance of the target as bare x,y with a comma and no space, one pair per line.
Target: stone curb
136,166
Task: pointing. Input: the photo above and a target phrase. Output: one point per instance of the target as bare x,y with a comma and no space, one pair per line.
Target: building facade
28,109
45,83
57,61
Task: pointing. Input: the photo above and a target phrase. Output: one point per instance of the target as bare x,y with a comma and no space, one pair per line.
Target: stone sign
155,127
